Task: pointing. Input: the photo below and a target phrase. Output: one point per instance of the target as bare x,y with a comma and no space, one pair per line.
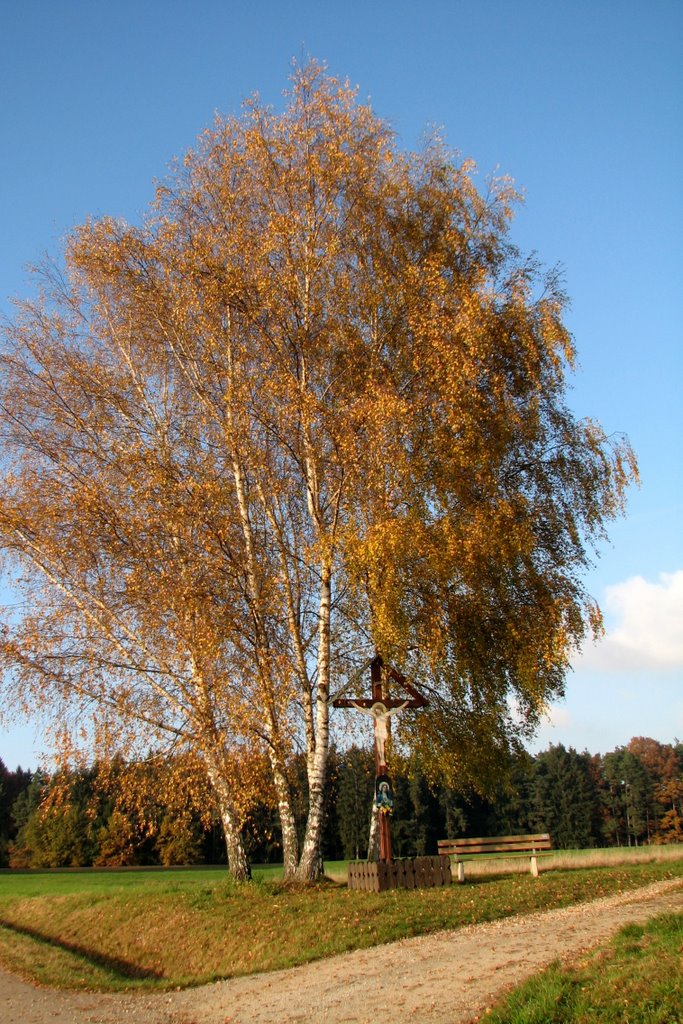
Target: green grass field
636,978
114,930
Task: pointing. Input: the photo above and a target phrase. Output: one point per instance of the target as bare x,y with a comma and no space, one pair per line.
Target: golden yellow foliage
312,408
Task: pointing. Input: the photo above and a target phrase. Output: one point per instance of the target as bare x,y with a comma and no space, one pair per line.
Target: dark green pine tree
513,807
12,784
332,847
628,794
4,836
54,834
403,832
564,798
355,793
427,815
24,810
453,813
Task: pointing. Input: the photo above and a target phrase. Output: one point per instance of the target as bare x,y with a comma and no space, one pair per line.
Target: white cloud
644,626
557,716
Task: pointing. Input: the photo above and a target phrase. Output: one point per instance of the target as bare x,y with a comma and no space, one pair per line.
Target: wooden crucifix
381,707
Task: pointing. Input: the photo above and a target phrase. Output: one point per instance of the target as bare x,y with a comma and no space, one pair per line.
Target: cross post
381,707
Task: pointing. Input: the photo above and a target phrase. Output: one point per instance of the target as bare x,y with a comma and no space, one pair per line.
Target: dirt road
447,978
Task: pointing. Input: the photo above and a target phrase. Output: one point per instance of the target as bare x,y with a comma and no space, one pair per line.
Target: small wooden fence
407,873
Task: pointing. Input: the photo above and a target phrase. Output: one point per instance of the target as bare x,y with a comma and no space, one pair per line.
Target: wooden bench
501,845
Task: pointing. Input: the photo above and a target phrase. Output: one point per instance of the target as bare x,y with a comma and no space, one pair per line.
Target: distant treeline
141,814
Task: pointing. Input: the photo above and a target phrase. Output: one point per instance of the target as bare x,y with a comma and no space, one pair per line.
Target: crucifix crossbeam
416,700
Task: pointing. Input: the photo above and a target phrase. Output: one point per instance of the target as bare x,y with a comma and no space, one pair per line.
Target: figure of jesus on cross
381,714
380,707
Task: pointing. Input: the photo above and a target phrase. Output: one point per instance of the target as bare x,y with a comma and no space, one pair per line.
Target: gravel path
446,978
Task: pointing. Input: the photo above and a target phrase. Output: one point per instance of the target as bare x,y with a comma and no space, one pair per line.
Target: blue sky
580,102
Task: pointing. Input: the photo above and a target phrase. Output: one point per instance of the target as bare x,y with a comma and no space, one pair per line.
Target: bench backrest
495,844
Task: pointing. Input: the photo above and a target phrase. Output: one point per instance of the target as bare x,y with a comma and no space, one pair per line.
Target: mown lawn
162,929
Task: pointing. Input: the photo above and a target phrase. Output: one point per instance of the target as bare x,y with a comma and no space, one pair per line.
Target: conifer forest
134,813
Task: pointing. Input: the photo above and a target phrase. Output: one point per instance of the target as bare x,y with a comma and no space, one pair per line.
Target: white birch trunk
311,865
238,864
290,839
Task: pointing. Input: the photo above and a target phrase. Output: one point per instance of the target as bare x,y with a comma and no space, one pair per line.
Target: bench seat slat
503,848
496,844
482,841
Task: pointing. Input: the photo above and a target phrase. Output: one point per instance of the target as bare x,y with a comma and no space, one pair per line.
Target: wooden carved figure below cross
381,707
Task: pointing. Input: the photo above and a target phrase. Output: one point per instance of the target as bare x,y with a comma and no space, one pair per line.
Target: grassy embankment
635,978
162,929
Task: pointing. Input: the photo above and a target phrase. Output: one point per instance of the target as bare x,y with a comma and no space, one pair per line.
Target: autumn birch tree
314,407
122,634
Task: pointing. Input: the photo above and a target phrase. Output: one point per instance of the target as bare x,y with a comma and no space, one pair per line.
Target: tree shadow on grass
120,968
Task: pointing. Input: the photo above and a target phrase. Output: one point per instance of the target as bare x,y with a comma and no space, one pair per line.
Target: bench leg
461,871
534,867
